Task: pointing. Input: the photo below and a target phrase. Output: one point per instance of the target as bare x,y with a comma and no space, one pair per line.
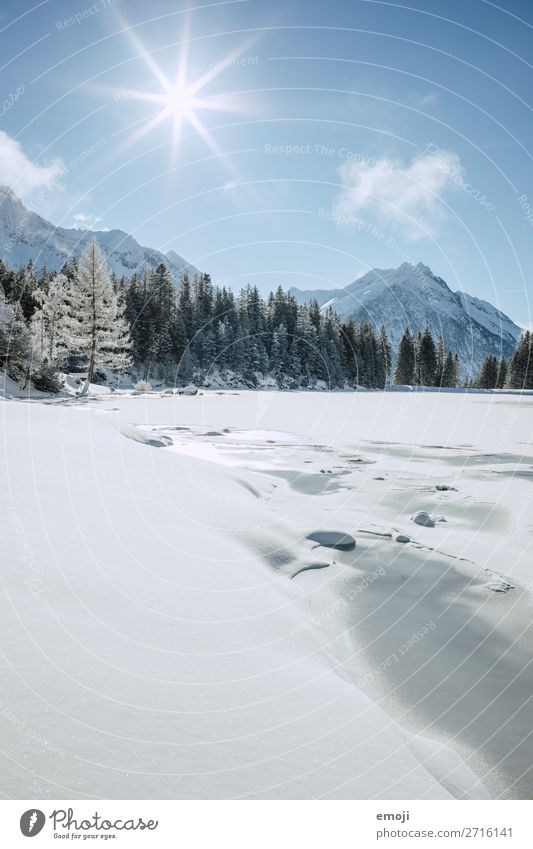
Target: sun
178,100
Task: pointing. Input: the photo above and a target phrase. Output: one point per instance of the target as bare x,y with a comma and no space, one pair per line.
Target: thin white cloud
25,177
427,99
87,222
407,196
236,194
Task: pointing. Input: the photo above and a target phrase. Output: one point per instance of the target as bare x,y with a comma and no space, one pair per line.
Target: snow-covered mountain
412,296
24,235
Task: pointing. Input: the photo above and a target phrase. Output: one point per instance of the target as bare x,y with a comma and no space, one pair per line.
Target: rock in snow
498,586
309,568
333,539
424,519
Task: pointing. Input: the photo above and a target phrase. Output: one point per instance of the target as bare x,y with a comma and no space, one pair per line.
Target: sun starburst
178,100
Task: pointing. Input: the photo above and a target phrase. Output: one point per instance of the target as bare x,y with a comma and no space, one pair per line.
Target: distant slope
24,235
412,296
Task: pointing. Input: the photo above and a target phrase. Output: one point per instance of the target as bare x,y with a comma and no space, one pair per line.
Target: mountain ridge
412,296
26,235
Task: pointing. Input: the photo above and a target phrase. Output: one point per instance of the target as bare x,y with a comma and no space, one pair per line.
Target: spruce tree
457,370
427,356
185,307
404,373
418,342
295,363
520,368
449,372
279,353
28,286
161,313
441,361
351,351
385,351
488,374
502,373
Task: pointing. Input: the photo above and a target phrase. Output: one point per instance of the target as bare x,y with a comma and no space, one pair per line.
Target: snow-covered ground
155,639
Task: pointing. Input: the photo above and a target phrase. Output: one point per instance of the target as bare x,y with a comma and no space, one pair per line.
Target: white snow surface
154,645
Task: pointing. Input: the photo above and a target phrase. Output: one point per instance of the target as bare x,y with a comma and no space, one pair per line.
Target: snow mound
138,435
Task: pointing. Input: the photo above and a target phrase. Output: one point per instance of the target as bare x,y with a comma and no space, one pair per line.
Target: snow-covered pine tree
520,368
208,344
6,277
294,369
404,373
331,346
49,322
279,352
15,341
95,320
417,341
427,359
457,369
226,340
28,285
314,314
502,373
450,371
161,354
441,360
371,374
185,307
488,373
385,351
351,351
311,364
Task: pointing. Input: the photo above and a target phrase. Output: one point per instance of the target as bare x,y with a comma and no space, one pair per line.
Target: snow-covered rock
424,519
333,539
498,586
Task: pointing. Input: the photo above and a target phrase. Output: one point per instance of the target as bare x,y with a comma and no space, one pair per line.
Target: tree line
84,319
515,373
422,362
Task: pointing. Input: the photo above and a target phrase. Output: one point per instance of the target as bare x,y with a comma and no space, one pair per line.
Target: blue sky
323,139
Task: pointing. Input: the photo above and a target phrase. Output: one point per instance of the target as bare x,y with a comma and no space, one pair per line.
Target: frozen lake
175,624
